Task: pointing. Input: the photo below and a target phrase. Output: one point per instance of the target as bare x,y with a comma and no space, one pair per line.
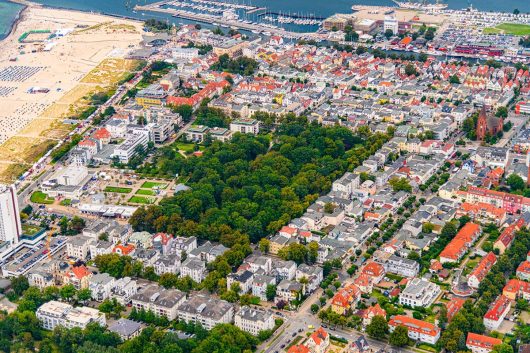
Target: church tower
482,124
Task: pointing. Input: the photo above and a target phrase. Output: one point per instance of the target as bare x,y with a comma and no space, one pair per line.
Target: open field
153,184
145,192
117,189
516,29
42,198
88,60
142,200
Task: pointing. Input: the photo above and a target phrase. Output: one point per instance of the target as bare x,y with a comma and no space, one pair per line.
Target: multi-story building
482,269
418,330
523,270
318,342
101,286
419,293
54,313
78,247
129,148
194,268
260,284
401,266
207,311
460,244
480,343
161,301
124,289
254,320
245,126
10,226
497,312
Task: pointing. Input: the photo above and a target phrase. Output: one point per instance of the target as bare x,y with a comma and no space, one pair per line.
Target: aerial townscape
203,176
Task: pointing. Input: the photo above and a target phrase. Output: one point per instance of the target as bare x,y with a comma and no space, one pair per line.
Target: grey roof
252,314
125,327
160,296
205,306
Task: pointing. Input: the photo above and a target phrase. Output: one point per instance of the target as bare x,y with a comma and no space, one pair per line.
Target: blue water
321,8
8,13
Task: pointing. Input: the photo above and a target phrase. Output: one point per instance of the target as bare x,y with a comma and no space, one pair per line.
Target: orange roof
406,41
101,133
319,335
458,246
482,207
481,341
500,305
524,267
288,230
298,349
345,296
125,249
373,269
415,325
516,286
436,265
453,306
484,266
375,310
81,271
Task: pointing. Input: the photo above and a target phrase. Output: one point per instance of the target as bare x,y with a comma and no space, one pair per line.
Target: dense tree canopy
253,187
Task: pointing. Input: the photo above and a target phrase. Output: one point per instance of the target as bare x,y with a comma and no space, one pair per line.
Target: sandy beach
86,55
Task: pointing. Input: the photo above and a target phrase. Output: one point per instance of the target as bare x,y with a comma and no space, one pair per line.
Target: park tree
378,328
515,182
399,337
502,348
19,284
400,184
264,245
389,33
68,292
270,292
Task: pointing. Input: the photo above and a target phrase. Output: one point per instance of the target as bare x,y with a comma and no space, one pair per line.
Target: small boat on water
421,5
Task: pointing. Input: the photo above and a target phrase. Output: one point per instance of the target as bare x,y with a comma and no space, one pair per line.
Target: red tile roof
81,271
481,341
319,336
453,306
498,308
415,325
459,244
484,266
298,349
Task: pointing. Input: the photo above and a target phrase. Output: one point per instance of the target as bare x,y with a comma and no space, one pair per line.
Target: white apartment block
10,226
207,311
254,320
54,313
162,302
419,293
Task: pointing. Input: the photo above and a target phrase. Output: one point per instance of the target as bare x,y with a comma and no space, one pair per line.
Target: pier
295,16
225,22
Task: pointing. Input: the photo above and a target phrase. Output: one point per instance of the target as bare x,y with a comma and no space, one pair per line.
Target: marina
228,17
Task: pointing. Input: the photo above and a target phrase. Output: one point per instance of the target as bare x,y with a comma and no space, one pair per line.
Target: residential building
419,293
418,330
515,289
125,328
207,311
254,320
369,313
497,312
482,269
78,247
101,286
53,313
345,298
245,126
523,270
287,291
401,266
244,279
480,343
460,244
260,284
318,341
161,301
194,268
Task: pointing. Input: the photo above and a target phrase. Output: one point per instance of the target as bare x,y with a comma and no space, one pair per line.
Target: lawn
118,189
153,184
30,229
66,202
142,200
42,198
509,28
145,192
